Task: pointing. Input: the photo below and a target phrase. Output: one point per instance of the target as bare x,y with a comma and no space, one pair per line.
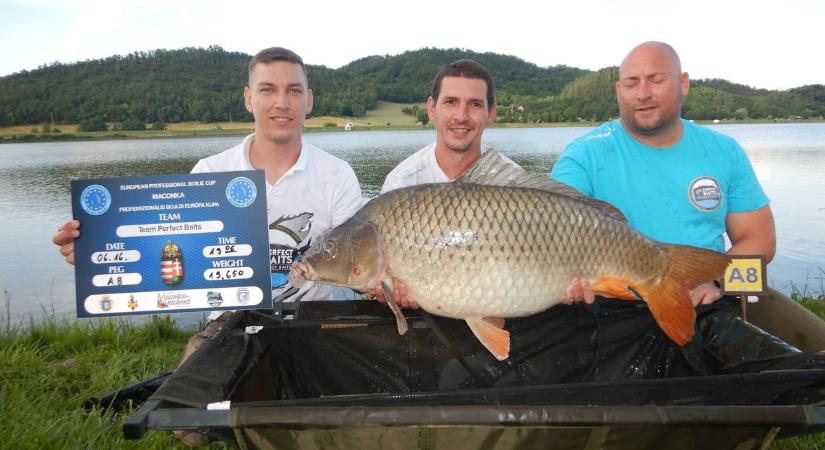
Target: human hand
401,295
579,290
191,439
64,238
705,294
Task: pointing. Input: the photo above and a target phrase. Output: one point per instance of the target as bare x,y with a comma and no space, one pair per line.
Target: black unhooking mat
611,354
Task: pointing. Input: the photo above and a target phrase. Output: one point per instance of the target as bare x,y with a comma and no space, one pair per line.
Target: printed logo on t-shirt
285,238
705,194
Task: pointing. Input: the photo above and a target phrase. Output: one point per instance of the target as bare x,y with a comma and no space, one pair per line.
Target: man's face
650,91
461,113
278,97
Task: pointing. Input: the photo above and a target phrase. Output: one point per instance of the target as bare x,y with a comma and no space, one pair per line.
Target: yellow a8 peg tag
746,275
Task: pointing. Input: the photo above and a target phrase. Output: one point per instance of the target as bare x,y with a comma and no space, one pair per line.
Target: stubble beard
462,148
457,145
654,127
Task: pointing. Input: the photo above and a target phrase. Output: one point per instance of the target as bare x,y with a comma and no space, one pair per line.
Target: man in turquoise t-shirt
675,181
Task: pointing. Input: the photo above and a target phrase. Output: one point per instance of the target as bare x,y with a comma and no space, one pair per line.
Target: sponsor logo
132,304
214,298
285,237
95,200
296,227
106,303
173,300
241,192
705,194
243,296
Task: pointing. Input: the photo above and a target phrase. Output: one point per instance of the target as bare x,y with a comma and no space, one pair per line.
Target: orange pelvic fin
613,287
490,331
669,301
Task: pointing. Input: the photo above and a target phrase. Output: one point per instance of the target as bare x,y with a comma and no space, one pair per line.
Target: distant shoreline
9,136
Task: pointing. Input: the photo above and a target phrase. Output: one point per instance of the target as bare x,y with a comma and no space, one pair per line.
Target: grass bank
385,116
48,369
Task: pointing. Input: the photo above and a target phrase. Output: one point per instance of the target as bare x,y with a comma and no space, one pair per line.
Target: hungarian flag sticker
171,264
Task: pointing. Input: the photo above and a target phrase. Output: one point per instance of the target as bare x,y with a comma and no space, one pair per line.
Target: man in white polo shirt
462,104
308,190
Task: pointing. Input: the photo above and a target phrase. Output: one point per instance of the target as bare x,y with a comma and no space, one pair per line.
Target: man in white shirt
308,190
462,104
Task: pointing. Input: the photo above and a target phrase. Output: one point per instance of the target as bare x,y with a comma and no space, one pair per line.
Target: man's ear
492,116
310,101
431,108
247,98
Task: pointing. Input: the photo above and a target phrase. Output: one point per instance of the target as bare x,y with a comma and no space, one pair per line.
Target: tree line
195,84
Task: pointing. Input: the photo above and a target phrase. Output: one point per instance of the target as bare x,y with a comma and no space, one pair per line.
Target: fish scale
458,262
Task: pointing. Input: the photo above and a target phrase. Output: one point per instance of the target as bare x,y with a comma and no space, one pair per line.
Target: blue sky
766,44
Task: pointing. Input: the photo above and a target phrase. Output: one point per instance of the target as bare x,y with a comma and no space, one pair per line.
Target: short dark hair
466,68
273,54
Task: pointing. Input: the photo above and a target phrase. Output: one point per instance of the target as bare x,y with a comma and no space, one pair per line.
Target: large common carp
482,252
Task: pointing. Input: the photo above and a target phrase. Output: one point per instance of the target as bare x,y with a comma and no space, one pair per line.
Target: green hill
205,85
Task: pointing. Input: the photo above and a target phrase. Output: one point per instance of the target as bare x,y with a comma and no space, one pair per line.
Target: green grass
386,116
48,369
814,302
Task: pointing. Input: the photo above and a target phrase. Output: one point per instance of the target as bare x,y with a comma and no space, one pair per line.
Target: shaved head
654,46
650,91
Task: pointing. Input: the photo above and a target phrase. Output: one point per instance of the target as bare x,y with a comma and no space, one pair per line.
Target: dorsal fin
494,170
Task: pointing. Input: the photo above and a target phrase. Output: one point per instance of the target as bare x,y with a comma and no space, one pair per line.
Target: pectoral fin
492,335
389,296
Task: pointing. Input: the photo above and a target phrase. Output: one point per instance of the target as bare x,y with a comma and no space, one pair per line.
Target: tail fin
668,301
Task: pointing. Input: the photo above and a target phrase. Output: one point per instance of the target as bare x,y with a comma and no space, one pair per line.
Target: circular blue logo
705,194
241,192
95,200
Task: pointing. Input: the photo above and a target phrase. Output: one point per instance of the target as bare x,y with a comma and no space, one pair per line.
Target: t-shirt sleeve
200,167
348,199
746,193
572,168
393,180
390,183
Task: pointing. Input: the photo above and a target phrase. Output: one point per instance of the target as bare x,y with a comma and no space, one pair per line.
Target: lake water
789,160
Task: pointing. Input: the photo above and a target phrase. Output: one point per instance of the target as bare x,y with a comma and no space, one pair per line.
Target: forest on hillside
197,84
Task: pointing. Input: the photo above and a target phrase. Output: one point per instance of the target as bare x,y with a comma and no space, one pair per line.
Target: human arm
64,239
750,233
